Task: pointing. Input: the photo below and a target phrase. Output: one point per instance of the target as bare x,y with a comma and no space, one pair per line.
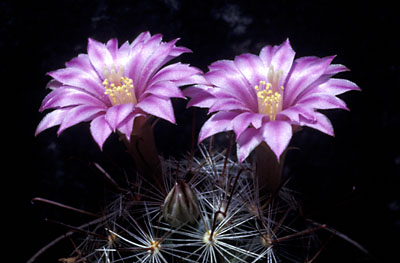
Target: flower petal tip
92,41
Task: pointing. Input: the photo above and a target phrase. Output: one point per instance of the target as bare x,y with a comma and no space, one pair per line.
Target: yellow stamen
269,96
119,89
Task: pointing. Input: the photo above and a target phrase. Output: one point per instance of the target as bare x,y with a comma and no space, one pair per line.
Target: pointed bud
180,205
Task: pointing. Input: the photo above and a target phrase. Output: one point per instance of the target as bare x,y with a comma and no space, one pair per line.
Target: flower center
119,89
270,95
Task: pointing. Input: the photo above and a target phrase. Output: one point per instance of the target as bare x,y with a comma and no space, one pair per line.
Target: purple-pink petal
229,104
333,86
53,84
69,96
117,114
247,142
296,112
242,121
79,114
123,55
322,124
142,37
194,79
112,46
82,63
277,135
304,72
100,130
153,63
251,67
165,89
200,97
174,72
99,56
334,69
235,86
77,78
158,106
126,126
51,119
139,55
177,51
322,101
280,57
219,122
223,64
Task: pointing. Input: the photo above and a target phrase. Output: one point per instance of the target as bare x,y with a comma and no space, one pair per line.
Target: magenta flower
262,97
111,86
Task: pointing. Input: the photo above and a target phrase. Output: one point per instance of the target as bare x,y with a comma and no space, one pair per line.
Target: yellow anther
119,89
269,98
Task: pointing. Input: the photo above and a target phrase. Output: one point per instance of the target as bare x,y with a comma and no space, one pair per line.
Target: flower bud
180,205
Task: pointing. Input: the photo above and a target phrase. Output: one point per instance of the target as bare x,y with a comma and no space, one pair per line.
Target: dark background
350,181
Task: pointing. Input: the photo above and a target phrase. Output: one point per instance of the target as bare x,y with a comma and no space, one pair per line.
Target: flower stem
193,139
228,151
142,148
268,169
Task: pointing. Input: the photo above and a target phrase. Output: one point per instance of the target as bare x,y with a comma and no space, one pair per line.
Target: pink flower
110,86
262,97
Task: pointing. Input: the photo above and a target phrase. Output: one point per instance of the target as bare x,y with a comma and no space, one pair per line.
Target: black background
349,181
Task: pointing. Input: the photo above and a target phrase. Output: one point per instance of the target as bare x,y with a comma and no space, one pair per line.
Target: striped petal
82,63
219,122
322,102
333,86
295,113
200,96
251,67
69,96
159,107
100,130
305,71
117,114
138,57
126,126
229,105
52,119
322,124
247,142
165,89
77,78
235,85
280,57
277,135
153,64
79,114
99,56
242,121
174,72
112,46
